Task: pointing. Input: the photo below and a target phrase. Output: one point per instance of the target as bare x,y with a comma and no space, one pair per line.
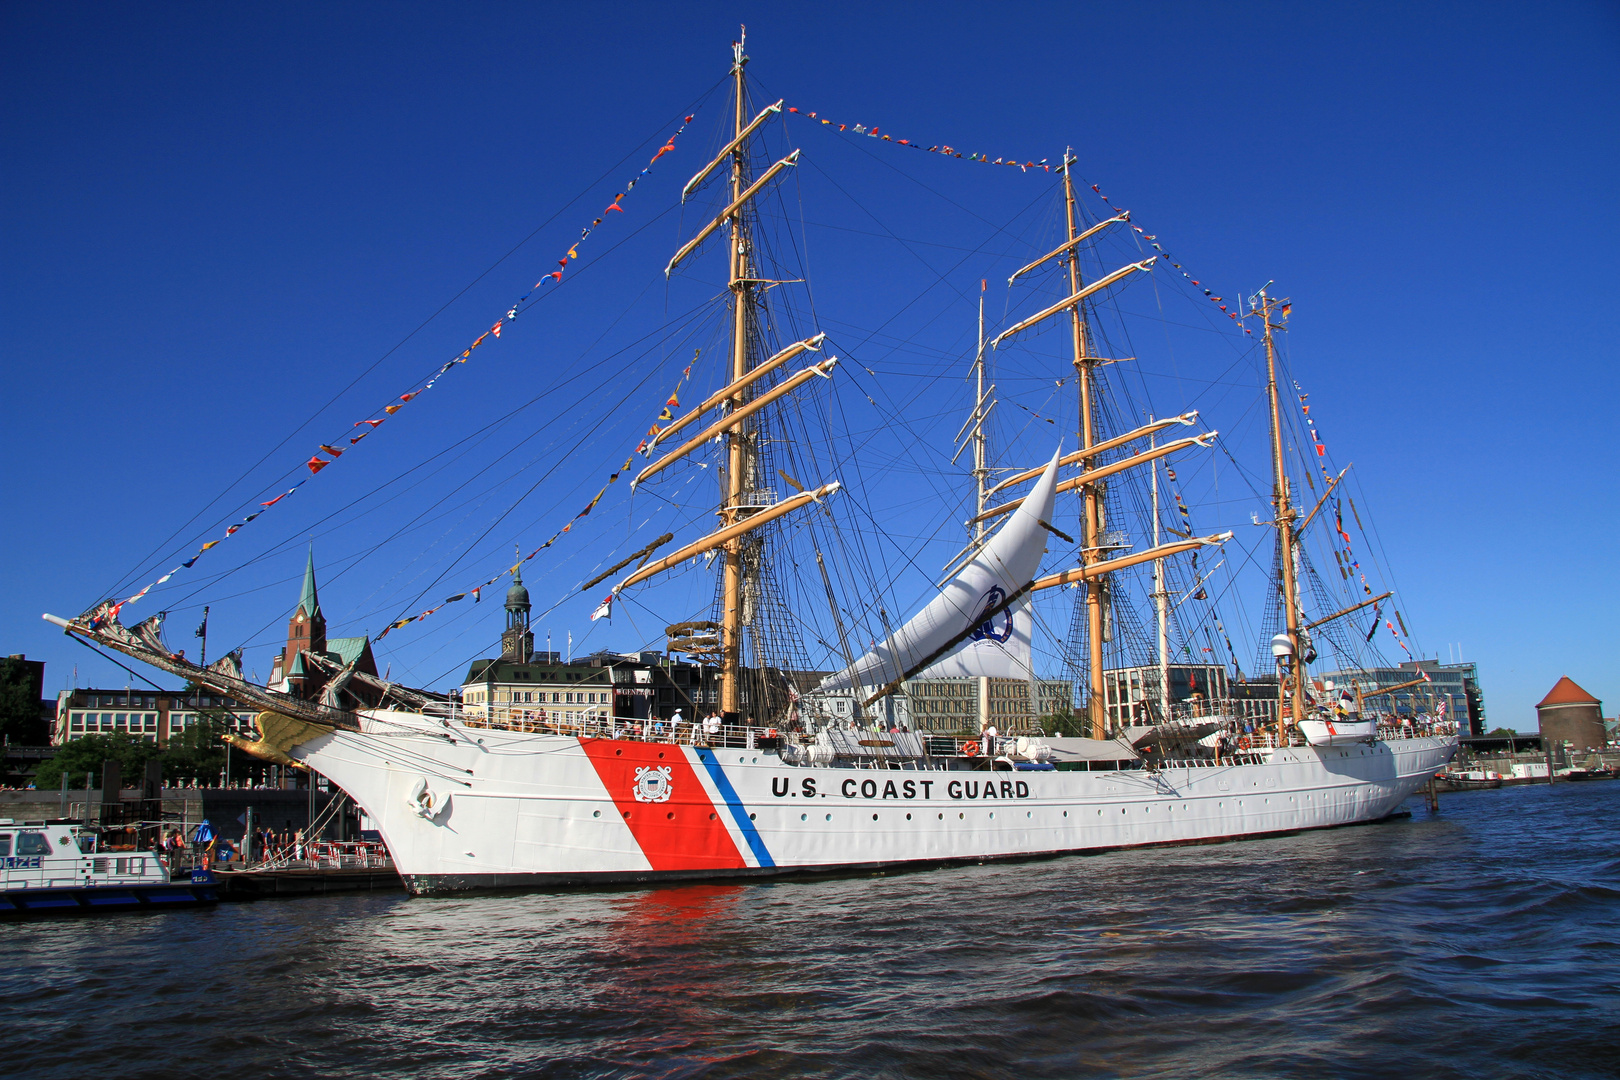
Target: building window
555,697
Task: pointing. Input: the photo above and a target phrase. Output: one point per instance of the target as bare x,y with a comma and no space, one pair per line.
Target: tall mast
979,470
1090,524
1291,689
1161,597
738,466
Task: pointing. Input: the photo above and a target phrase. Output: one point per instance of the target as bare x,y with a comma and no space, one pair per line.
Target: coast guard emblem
999,628
652,785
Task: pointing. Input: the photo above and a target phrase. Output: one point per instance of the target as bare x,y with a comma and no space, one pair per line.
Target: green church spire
309,601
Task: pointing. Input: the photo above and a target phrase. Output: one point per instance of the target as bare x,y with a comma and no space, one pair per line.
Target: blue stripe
723,785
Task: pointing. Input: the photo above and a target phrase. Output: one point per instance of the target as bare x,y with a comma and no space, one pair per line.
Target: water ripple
1466,944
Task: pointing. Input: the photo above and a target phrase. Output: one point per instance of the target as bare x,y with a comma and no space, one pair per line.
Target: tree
21,721
1065,724
87,755
196,754
1502,733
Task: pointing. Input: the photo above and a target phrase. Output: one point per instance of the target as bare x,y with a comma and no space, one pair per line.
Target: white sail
1000,648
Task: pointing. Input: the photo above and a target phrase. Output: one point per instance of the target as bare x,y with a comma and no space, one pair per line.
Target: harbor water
1482,941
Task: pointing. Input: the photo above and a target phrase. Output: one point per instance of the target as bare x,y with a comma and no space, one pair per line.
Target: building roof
308,600
517,596
346,650
504,671
1565,692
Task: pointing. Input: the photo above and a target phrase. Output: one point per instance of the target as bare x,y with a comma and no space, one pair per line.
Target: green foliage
20,719
197,754
1065,725
1502,733
87,755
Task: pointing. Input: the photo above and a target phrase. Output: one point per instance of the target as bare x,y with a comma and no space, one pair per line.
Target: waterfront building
24,680
973,704
1570,719
153,715
1131,694
1455,686
956,705
596,689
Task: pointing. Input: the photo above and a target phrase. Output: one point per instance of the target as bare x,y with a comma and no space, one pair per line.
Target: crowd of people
708,730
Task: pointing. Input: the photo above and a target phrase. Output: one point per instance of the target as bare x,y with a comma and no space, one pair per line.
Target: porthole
961,816
711,817
671,816
596,813
1029,813
874,817
660,753
829,817
804,817
942,817
992,815
627,815
1065,813
908,817
618,751
751,817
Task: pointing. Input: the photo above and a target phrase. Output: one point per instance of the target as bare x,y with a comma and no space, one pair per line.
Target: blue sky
219,223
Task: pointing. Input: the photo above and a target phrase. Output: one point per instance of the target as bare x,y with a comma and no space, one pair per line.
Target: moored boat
57,868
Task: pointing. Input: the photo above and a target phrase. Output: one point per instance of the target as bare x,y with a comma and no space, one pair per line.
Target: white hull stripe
739,814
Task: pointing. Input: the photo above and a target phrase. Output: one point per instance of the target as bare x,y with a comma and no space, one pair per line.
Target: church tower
305,630
517,640
304,666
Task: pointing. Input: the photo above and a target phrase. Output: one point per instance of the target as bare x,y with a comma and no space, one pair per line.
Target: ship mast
1291,687
738,466
980,472
1161,597
1091,550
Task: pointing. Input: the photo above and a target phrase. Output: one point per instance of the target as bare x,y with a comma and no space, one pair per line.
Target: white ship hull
479,808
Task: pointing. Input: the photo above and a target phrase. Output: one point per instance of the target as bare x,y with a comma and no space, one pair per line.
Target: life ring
1244,742
970,749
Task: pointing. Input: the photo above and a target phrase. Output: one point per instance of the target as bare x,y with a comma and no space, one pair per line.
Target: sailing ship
490,794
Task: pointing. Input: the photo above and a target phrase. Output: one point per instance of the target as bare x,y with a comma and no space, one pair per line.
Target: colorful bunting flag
316,463
938,148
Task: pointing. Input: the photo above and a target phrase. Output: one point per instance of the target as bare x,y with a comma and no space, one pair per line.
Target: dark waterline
1479,942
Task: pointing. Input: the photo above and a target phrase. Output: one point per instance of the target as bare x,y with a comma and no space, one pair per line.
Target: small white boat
57,867
1338,732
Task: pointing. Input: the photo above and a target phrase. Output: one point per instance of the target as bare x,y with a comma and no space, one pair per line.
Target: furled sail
1001,647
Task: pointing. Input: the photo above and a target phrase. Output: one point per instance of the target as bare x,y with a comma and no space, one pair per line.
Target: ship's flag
605,610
